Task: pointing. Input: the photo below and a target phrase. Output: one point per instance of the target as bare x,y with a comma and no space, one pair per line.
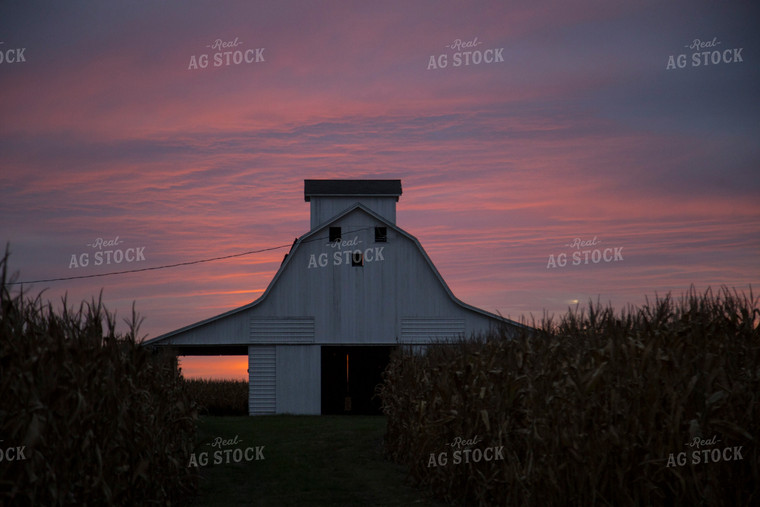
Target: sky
517,129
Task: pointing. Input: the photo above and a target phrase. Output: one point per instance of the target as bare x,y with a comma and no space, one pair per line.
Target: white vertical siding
325,208
396,296
318,298
262,366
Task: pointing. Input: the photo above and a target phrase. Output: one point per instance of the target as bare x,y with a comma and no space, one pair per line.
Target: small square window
334,234
357,259
381,234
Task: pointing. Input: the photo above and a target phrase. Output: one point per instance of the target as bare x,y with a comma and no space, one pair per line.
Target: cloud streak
579,132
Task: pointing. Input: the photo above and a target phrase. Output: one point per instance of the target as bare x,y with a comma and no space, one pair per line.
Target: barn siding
423,330
396,297
366,305
262,361
325,208
288,330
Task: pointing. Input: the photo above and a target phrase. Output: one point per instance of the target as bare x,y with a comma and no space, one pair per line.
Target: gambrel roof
175,338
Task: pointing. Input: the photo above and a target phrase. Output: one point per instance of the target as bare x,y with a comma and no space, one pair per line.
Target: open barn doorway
213,362
216,378
349,377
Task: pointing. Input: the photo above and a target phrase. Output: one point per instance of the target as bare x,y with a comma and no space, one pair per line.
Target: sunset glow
580,131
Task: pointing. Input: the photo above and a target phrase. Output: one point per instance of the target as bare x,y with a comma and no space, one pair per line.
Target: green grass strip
309,460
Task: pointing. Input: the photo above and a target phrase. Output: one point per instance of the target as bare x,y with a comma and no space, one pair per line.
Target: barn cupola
330,197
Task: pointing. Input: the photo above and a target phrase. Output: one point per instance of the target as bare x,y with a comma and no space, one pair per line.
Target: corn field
91,417
219,397
595,409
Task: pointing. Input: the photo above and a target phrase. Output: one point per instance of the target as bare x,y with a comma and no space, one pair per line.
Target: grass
309,460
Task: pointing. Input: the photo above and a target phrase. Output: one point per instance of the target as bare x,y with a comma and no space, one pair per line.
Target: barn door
349,377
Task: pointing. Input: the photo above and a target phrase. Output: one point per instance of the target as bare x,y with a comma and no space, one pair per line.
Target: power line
187,263
149,269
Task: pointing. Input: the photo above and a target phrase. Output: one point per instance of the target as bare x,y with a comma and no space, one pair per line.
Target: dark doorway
349,377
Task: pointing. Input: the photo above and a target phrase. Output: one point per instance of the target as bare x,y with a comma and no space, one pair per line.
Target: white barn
350,290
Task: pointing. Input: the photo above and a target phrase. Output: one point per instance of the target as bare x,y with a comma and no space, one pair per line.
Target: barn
347,293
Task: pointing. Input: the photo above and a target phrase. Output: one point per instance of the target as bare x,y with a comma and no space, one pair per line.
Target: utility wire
188,263
151,268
